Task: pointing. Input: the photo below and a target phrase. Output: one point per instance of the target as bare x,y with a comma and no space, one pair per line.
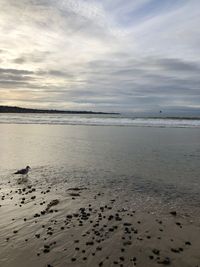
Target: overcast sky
106,55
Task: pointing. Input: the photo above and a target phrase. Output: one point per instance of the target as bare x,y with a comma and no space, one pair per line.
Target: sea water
98,120
157,162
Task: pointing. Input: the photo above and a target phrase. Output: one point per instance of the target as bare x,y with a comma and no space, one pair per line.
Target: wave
97,120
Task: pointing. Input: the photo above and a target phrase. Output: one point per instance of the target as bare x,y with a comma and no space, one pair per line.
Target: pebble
165,261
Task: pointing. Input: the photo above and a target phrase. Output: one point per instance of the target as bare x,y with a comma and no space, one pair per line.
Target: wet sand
87,227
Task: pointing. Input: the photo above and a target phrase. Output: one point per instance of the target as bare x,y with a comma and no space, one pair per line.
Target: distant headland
13,109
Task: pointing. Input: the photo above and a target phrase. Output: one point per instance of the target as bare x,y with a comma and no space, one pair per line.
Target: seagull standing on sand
23,171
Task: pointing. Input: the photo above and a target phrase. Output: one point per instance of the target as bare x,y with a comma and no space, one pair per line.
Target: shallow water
152,163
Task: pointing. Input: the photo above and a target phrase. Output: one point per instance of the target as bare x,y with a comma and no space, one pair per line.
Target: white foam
106,120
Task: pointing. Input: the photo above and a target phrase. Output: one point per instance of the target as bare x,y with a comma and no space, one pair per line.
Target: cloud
179,65
33,57
15,71
19,60
112,55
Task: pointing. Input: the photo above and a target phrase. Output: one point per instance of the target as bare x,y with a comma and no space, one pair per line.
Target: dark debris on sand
98,224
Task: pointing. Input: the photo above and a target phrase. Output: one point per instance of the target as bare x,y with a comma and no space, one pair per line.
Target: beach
87,228
99,133
99,196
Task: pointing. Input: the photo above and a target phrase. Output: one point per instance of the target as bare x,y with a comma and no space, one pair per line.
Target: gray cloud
34,57
113,55
14,78
132,84
179,65
15,71
19,60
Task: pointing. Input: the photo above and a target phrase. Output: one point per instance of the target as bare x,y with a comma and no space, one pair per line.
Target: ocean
98,120
153,160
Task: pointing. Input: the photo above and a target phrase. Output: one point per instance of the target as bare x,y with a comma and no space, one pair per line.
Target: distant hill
10,109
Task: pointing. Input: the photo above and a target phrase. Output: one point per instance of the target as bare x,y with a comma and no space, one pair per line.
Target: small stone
175,250
156,251
134,259
90,243
127,224
166,261
174,213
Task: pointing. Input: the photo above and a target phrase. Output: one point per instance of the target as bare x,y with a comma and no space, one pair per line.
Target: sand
87,227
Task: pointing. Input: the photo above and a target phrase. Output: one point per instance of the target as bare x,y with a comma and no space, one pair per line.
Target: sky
101,55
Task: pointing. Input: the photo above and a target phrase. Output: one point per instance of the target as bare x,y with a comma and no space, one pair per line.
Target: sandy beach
84,227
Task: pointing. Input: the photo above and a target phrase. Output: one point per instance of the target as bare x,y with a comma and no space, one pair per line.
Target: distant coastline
14,109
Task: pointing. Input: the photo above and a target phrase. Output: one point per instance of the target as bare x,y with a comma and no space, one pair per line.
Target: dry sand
40,227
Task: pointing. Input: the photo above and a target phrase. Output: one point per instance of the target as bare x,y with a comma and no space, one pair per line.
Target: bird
23,171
